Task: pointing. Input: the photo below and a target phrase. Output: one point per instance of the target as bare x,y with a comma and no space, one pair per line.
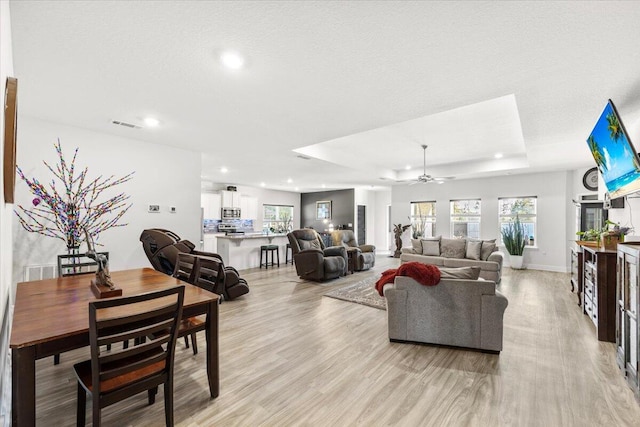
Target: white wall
383,229
6,212
366,198
551,189
164,175
265,197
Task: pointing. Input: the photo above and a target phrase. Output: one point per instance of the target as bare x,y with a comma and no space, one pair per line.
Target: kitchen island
243,251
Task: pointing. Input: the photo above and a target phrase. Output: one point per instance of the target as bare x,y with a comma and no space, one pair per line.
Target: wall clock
10,127
590,179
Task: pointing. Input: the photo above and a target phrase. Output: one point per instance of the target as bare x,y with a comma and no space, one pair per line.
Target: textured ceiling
361,84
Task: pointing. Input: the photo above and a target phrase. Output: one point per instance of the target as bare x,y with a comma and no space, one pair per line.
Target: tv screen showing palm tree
615,157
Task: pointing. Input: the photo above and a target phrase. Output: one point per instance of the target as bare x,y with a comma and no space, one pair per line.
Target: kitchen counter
242,251
252,236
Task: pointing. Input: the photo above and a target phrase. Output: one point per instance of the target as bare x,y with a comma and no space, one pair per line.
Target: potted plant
514,239
612,234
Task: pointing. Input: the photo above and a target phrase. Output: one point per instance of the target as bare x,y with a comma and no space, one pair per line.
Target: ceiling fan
424,178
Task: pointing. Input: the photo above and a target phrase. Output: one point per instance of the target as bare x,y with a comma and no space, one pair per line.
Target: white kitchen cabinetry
249,207
211,242
231,199
211,205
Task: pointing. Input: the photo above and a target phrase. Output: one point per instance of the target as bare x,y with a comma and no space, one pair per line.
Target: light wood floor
290,356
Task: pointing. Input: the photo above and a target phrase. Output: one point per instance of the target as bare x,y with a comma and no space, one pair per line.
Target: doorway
362,225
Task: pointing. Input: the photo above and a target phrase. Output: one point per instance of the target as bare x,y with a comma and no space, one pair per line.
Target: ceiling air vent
125,124
300,156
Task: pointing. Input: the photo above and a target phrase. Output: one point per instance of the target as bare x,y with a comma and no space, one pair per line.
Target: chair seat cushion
83,372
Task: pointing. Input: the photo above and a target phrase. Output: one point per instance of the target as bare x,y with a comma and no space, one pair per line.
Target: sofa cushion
308,244
425,259
431,246
453,248
488,247
470,273
484,265
474,250
416,245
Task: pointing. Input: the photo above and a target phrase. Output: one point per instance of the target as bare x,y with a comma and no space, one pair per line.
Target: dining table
52,316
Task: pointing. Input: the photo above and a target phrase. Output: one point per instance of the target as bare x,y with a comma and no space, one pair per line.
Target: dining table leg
23,386
213,363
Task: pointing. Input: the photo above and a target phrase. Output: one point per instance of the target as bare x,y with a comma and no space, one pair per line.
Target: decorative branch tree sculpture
65,214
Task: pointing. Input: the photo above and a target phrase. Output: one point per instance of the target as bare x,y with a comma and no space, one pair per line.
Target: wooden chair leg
186,340
152,395
168,402
96,415
81,410
194,343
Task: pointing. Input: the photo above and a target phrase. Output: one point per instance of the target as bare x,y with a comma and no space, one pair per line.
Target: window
423,219
465,218
522,207
277,218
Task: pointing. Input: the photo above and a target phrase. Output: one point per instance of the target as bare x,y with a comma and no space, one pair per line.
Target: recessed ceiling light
498,155
224,170
297,188
289,181
440,182
232,60
151,122
262,184
408,167
324,186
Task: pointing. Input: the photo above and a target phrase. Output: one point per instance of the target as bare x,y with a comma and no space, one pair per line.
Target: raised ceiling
356,87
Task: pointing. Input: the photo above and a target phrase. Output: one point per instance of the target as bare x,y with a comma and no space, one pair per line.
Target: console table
599,290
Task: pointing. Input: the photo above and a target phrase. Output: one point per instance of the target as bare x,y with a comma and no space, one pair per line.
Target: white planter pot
516,262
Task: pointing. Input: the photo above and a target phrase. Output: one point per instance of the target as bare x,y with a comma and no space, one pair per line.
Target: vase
516,261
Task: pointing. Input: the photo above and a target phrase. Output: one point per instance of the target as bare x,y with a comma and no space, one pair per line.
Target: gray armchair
313,260
365,257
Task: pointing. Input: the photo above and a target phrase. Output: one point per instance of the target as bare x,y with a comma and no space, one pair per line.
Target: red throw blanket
428,275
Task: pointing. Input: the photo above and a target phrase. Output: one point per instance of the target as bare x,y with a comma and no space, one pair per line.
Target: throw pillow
488,247
416,244
468,273
431,246
453,248
474,250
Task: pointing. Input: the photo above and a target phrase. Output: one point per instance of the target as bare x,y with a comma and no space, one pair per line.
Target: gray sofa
444,252
461,313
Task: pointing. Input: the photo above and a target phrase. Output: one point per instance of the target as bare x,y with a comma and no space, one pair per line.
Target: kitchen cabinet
599,290
576,272
249,207
230,199
211,205
627,305
211,242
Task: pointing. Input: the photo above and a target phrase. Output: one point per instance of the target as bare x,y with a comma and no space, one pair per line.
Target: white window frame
425,221
467,216
530,220
279,222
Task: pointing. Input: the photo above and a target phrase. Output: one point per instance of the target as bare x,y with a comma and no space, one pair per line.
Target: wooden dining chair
209,274
110,377
75,265
185,270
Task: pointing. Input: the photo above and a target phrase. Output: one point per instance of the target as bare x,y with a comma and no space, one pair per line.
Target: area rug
362,292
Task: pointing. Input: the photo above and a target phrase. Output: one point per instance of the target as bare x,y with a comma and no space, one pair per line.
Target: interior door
362,225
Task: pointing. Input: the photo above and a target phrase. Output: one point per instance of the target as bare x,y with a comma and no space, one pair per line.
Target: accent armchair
313,260
365,256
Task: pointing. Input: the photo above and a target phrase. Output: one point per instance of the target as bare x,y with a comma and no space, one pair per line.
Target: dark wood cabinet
576,272
627,308
599,290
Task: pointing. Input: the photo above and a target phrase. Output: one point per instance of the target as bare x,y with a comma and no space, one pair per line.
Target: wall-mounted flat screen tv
614,154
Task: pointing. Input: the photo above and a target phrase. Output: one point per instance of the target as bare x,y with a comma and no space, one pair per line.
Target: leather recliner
313,260
162,248
365,255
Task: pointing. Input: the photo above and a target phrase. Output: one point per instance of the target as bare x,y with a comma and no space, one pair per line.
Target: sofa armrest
396,312
493,307
335,251
496,257
409,251
367,248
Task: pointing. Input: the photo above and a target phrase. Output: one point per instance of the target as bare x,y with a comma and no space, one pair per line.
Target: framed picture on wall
323,210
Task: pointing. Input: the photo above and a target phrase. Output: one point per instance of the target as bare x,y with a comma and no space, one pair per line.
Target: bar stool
266,249
286,254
